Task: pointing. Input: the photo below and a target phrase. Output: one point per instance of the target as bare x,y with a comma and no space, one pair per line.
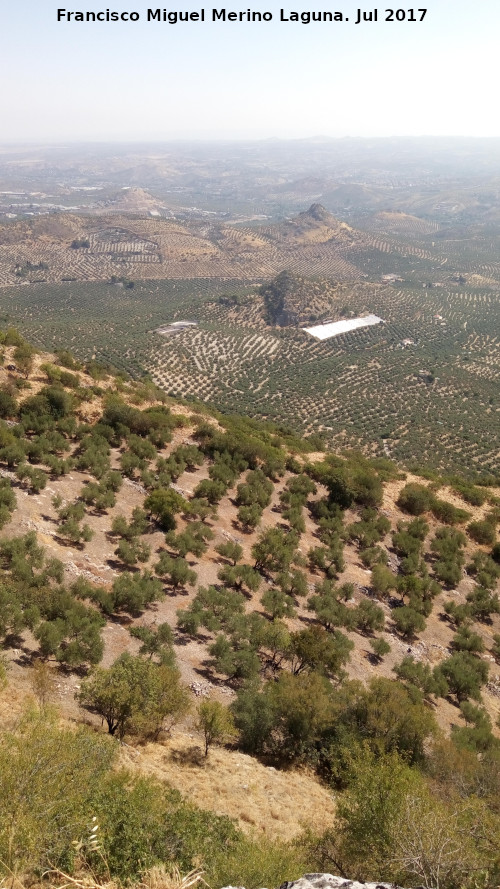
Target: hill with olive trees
214,306
184,580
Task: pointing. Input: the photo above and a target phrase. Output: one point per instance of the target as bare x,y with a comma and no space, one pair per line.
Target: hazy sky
139,81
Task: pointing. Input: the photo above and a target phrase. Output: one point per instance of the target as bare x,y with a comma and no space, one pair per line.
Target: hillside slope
331,623
227,518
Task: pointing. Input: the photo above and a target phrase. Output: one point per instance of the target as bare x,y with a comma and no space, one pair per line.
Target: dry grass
13,702
277,803
158,877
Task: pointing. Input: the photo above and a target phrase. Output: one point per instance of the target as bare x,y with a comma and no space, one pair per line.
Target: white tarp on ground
325,331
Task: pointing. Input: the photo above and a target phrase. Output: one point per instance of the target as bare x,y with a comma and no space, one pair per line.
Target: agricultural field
251,288
71,248
421,387
356,389
110,322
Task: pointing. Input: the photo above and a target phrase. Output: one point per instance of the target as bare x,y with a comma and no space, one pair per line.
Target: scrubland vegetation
342,614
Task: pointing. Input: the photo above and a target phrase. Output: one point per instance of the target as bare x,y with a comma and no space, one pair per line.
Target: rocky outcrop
327,881
291,300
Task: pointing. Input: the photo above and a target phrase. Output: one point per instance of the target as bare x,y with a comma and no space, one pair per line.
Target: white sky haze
106,81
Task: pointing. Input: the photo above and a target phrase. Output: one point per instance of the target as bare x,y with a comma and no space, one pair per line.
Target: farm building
334,328
175,327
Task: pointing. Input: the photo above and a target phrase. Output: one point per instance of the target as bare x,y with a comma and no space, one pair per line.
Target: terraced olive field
422,387
433,400
107,321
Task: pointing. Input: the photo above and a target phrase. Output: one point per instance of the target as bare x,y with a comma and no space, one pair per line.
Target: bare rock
328,881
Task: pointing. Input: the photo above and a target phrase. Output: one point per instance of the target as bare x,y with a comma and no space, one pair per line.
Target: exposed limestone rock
327,881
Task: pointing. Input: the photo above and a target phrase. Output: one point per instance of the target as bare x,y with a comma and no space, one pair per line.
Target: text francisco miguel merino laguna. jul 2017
173,17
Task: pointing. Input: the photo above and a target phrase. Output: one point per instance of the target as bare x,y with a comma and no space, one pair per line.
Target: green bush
408,622
466,640
134,592
44,809
134,695
421,676
447,513
415,499
369,617
465,674
380,647
482,532
255,862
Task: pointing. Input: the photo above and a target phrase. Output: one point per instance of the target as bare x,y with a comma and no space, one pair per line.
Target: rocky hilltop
291,300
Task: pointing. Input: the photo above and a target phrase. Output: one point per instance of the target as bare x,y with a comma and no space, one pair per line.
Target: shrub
135,696
230,550
466,640
215,722
157,641
470,493
316,649
415,499
131,552
368,616
71,631
43,807
134,592
253,862
481,603
240,577
383,580
465,674
484,569
408,622
482,532
495,648
176,571
368,814
277,603
447,513
234,657
274,550
420,676
329,609
8,405
163,504
380,648
209,490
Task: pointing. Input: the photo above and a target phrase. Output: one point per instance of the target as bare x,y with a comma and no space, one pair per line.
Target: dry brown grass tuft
12,881
160,877
86,880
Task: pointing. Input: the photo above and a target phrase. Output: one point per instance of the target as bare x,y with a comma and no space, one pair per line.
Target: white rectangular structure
325,331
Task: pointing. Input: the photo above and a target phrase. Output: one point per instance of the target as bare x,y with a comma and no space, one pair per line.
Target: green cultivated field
111,322
433,402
